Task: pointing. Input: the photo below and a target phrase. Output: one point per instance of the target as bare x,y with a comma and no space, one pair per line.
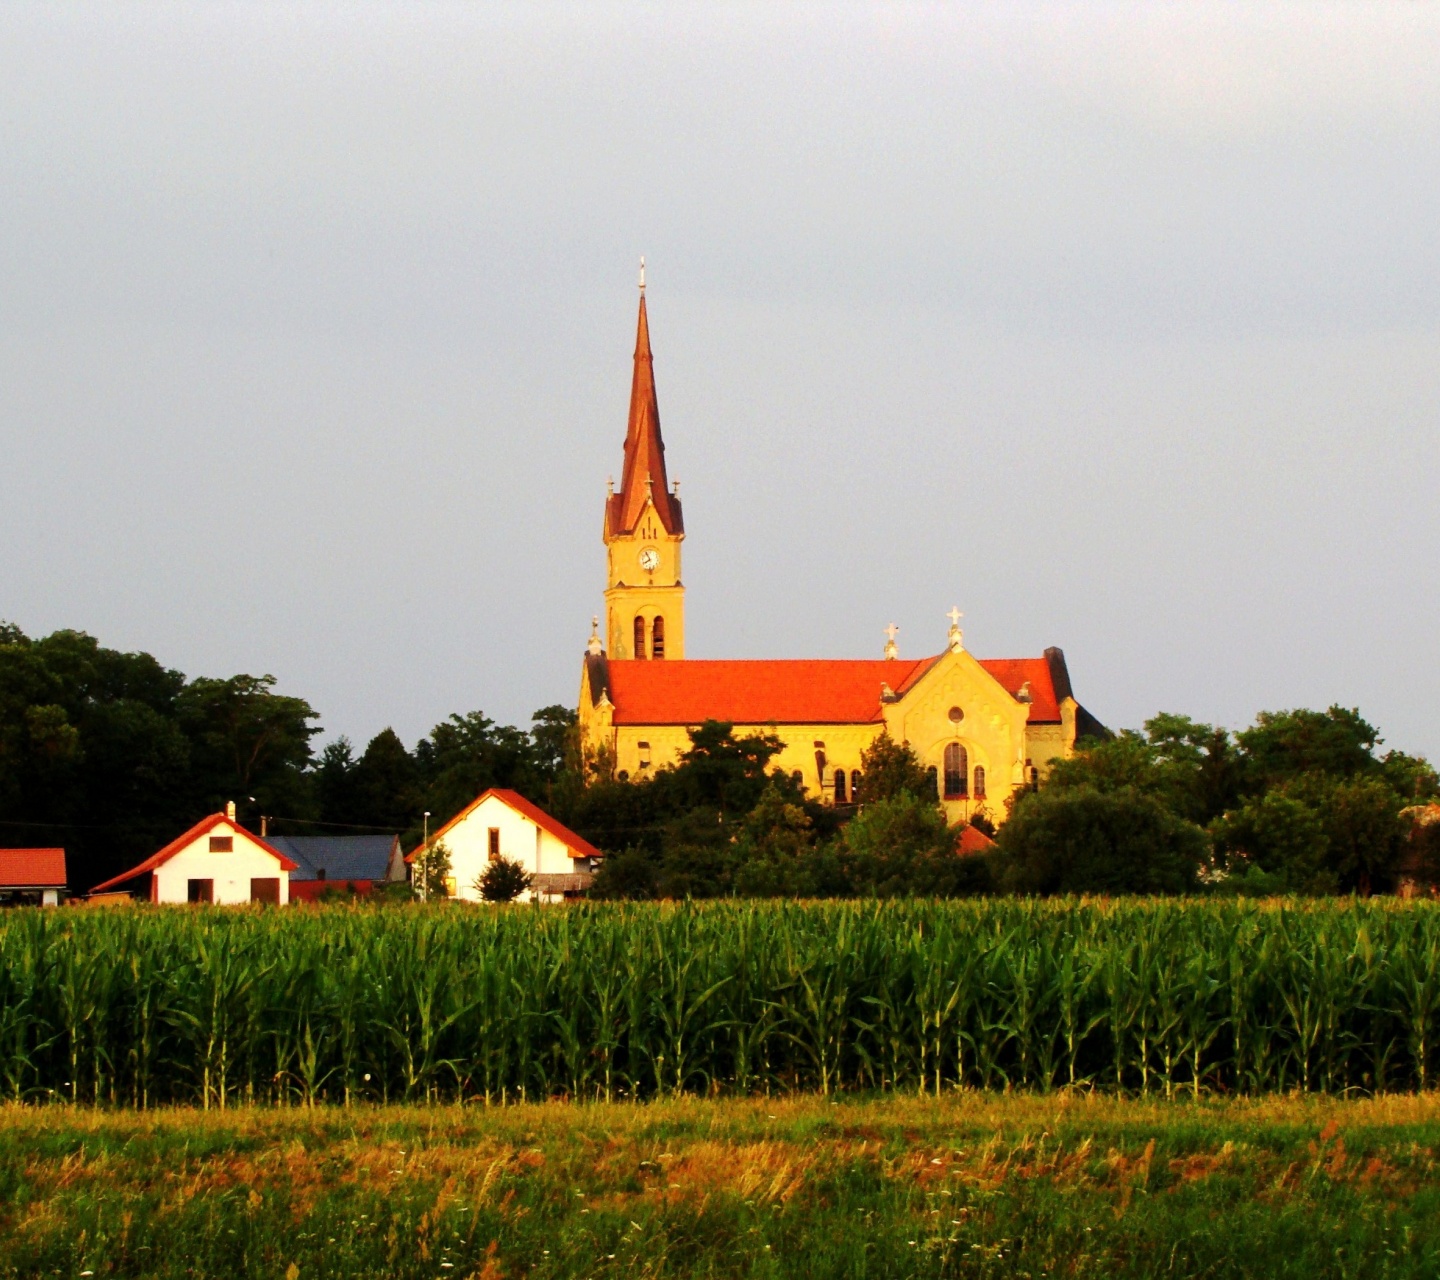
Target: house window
979,782
934,775
494,844
854,786
644,754
222,844
265,889
657,638
1034,779
200,891
639,637
956,771
840,796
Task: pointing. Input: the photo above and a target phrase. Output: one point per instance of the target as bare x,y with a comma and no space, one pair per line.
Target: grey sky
1117,326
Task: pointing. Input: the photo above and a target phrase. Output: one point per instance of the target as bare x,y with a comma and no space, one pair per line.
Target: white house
217,860
503,824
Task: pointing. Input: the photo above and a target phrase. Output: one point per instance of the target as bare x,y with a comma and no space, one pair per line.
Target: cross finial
594,646
957,637
649,483
892,650
642,274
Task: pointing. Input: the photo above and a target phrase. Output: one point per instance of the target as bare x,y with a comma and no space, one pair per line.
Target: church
983,727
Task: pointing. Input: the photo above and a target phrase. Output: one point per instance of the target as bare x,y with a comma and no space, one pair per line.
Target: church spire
644,475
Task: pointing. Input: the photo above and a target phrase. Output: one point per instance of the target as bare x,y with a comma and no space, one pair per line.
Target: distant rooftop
340,857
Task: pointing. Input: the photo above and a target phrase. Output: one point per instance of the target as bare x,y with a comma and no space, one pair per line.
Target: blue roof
341,857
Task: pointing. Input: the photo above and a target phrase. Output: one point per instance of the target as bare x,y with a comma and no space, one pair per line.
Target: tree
631,874
465,755
430,871
889,769
1366,833
247,740
902,846
1084,840
775,853
1191,768
384,786
503,881
1280,836
1285,744
719,770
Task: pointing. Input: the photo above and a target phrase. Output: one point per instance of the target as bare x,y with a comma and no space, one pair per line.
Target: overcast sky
1117,326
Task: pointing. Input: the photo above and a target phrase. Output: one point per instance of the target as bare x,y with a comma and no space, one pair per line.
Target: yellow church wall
634,590
992,729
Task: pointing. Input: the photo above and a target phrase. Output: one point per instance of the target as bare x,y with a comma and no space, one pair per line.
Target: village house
34,877
217,860
503,824
347,864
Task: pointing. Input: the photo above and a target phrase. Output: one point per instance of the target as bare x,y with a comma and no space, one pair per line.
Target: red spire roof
644,473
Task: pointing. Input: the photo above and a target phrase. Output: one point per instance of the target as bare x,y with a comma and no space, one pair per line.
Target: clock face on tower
649,559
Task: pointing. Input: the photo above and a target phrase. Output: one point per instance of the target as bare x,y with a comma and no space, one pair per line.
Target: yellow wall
632,590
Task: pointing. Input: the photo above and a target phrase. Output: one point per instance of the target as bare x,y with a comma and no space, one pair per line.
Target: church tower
644,597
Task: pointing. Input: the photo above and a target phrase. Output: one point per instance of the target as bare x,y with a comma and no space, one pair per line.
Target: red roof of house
973,840
32,868
181,842
792,691
579,847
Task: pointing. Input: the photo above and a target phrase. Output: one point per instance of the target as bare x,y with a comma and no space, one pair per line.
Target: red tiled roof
973,840
180,842
32,868
791,691
1012,673
579,847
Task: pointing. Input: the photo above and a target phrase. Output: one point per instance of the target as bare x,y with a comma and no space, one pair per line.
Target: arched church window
798,779
933,774
979,782
956,771
1034,779
657,638
639,636
854,786
840,794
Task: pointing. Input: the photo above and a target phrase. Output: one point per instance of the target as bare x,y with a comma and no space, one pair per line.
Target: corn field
218,1006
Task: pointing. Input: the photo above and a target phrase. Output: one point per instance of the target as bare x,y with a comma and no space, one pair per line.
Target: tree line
112,755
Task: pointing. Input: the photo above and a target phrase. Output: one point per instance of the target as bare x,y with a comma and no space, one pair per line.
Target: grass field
962,1185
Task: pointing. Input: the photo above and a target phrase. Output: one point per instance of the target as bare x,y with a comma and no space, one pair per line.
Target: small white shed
217,860
503,824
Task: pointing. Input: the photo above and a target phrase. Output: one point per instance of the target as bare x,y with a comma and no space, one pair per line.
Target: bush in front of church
903,847
1084,840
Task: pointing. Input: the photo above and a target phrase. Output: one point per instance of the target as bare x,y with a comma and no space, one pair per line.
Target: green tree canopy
1080,839
889,768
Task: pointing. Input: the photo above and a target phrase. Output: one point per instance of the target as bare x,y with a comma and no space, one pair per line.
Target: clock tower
644,596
